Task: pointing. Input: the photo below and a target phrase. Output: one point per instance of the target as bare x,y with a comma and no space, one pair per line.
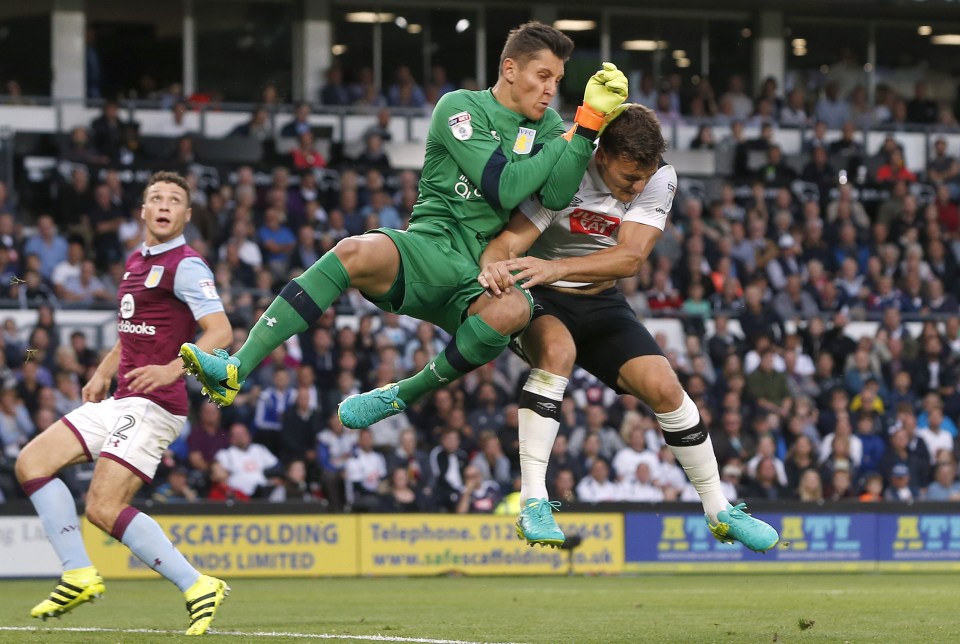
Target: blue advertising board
804,537
854,538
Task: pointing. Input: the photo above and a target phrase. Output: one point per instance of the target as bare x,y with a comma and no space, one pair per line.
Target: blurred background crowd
815,294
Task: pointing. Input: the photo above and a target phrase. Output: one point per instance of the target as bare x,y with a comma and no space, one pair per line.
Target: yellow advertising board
242,546
393,544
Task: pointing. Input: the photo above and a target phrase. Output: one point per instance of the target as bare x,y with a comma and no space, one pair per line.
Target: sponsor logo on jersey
576,201
524,141
209,289
156,272
127,306
460,126
126,326
592,223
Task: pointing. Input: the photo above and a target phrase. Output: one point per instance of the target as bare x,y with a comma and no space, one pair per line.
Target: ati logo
591,223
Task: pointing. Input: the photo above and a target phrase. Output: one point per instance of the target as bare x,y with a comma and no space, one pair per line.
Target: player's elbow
553,201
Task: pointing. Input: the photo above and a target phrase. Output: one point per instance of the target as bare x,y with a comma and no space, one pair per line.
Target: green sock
300,304
474,345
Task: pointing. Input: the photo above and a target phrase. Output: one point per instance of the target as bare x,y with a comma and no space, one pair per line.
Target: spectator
641,486
277,241
936,437
86,288
922,109
480,495
258,127
334,448
405,92
832,109
945,486
220,489
106,219
627,458
742,105
811,487
597,487
334,92
46,244
108,131
305,156
299,427
299,124
415,461
894,169
447,461
794,111
177,488
176,127
295,486
899,488
207,437
596,424
401,497
373,154
765,483
247,464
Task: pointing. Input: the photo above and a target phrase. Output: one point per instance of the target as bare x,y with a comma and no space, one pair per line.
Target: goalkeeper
575,254
486,152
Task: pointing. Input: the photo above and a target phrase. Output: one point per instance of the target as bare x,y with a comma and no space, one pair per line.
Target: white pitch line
316,636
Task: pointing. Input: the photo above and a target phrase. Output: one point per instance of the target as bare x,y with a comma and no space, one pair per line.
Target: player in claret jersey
575,255
166,291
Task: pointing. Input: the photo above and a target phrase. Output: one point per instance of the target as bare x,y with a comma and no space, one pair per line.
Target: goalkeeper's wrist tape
589,121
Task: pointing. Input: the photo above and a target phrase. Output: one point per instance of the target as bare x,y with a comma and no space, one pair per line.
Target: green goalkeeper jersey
482,159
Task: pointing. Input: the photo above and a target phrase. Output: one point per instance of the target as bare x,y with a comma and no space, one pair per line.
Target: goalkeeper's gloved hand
605,91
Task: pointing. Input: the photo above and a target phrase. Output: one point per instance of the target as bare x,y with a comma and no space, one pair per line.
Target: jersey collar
149,251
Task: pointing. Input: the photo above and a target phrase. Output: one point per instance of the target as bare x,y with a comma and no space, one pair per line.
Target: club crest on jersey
460,126
156,272
592,223
524,142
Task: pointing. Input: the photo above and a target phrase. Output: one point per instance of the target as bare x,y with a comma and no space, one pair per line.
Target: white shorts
131,431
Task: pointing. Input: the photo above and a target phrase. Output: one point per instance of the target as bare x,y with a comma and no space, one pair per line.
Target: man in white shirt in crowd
365,471
246,462
597,486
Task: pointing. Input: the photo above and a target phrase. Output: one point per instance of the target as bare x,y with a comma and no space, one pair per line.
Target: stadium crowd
764,277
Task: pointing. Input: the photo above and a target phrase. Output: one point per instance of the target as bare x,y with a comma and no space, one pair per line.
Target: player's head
629,151
531,66
166,207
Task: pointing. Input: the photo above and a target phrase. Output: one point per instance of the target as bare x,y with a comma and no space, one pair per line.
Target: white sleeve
538,215
652,206
194,285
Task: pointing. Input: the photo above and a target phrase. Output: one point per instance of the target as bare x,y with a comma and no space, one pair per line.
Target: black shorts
605,330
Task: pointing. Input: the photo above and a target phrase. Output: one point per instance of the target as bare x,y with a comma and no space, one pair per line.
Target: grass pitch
738,607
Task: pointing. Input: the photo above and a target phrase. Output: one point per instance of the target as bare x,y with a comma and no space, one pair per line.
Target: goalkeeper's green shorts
436,283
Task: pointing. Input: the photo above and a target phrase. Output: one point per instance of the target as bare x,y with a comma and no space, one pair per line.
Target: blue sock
58,513
150,544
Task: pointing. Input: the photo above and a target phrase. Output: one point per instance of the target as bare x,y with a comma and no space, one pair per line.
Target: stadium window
139,45
819,52
243,46
668,47
418,39
584,28
25,27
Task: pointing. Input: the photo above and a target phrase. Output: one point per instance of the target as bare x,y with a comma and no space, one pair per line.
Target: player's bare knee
25,469
667,394
519,311
557,357
102,513
349,251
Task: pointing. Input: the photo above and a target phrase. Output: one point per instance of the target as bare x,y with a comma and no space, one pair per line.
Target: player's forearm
110,363
564,180
604,265
559,163
214,337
